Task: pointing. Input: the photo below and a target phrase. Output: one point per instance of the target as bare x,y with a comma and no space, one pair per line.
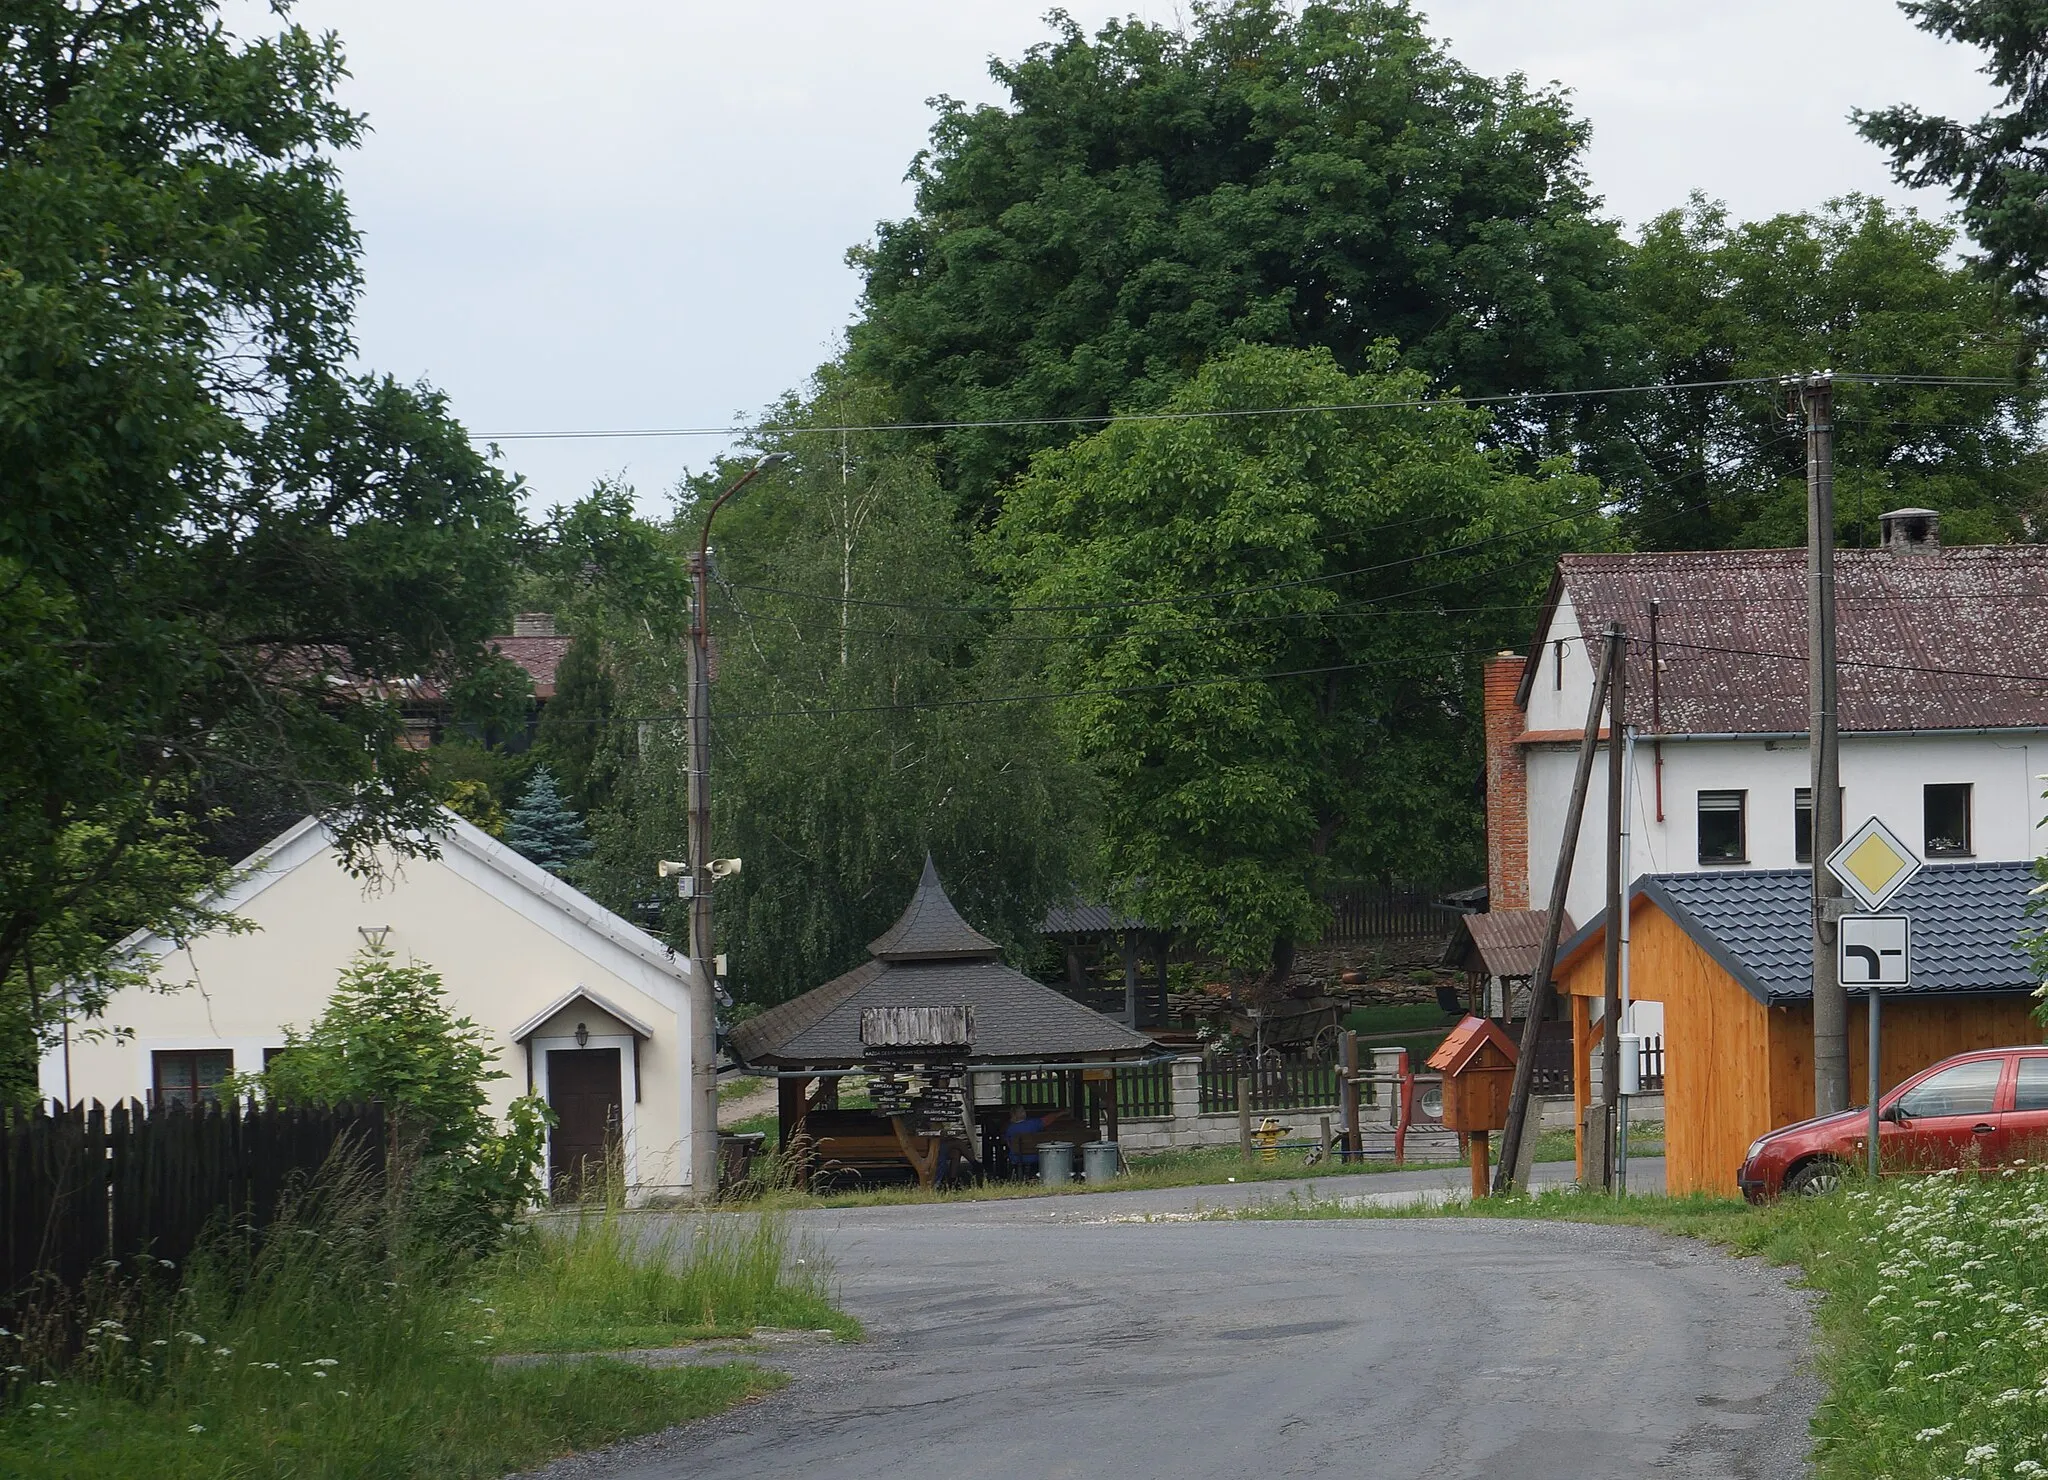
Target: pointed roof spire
931,929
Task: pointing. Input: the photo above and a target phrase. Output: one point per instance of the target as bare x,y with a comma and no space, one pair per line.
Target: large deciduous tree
1853,286
1149,196
1270,630
224,561
1997,166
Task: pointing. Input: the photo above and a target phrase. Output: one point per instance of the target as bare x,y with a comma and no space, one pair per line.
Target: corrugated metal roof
1732,636
1501,942
1087,919
1967,922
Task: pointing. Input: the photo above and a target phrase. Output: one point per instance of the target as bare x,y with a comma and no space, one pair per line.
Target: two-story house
1943,656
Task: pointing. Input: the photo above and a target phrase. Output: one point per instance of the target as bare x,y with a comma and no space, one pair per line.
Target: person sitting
1023,1123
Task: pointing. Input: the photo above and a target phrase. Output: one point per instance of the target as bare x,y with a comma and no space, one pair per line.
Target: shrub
388,1035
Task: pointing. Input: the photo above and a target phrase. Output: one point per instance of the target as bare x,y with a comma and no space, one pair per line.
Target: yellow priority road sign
1873,864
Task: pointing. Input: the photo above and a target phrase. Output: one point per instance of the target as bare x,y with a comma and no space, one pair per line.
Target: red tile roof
539,656
1941,639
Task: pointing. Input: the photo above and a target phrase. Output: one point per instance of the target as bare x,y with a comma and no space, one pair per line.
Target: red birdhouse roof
1458,1051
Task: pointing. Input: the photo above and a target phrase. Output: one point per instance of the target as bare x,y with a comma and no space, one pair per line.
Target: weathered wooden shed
930,958
1728,954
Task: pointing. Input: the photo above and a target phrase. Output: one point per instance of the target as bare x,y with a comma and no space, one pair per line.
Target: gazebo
930,968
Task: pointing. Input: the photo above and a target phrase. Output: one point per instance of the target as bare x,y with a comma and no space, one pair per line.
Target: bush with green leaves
388,1035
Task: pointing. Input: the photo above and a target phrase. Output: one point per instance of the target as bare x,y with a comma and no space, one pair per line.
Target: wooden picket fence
83,1186
1361,914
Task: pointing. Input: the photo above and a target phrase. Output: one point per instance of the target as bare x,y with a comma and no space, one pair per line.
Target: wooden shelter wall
1717,1051
1917,1031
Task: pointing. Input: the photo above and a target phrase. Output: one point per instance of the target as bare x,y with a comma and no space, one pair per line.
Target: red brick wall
1507,788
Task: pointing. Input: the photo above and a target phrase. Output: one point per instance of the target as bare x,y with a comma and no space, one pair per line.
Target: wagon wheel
1323,1049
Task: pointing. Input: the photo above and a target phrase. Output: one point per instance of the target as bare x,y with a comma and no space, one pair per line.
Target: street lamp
703,993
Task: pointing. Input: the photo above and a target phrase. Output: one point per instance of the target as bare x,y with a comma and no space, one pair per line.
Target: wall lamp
373,935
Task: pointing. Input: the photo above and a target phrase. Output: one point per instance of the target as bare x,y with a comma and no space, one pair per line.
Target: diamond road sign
1873,951
1873,864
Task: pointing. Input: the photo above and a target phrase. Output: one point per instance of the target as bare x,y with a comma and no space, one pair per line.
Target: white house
1944,723
585,1010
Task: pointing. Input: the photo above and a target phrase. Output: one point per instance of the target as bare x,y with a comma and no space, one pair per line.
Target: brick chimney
1507,788
534,624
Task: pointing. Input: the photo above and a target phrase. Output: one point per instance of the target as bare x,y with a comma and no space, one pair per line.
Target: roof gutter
1573,737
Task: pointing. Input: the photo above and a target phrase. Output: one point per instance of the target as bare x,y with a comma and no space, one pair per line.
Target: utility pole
703,1083
1617,840
1830,1002
1546,960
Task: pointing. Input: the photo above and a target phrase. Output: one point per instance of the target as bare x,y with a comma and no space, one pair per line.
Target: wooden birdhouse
1478,1065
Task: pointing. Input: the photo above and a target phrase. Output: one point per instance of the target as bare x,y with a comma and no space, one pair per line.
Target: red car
1983,1109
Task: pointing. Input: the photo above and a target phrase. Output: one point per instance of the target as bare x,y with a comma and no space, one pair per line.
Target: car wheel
1815,1179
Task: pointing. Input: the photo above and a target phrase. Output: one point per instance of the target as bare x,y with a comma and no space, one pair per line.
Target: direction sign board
1874,951
1873,864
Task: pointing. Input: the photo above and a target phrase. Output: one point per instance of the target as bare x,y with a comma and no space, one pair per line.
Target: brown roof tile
539,656
1940,639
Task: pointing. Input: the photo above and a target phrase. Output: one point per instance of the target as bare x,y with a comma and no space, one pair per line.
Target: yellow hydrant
1268,1137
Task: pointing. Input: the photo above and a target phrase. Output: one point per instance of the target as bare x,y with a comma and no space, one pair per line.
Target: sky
629,214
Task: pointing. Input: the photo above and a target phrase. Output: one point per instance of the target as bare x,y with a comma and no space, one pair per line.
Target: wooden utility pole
1539,985
1617,801
1830,1002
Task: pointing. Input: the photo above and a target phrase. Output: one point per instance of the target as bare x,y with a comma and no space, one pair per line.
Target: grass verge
342,1351
609,1281
1933,1316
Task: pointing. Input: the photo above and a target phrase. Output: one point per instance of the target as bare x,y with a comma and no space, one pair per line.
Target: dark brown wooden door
583,1091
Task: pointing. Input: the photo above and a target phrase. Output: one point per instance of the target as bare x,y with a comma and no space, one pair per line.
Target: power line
1108,418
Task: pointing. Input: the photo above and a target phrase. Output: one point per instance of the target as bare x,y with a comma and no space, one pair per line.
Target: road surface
1114,1336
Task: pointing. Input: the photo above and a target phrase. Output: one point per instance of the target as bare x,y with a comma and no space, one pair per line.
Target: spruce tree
544,828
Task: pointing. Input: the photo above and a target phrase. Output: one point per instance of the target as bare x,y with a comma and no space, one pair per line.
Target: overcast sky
634,213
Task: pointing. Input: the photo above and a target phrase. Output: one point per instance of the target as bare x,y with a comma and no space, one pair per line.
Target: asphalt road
1115,1336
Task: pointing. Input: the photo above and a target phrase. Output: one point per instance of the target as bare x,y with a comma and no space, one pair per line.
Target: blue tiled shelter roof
1968,919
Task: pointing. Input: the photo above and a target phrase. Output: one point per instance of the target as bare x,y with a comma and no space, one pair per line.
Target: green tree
573,727
861,715
1149,196
388,1036
1997,167
1269,630
544,827
224,559
1854,286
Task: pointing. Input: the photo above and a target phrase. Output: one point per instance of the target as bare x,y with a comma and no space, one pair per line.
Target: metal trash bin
1102,1161
1055,1162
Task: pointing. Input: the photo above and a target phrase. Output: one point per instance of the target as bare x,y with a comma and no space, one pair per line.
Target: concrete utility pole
1830,1002
703,1088
1617,841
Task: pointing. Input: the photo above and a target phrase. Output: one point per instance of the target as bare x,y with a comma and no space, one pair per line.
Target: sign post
1874,951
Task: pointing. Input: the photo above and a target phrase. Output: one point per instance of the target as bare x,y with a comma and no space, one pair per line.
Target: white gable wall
508,942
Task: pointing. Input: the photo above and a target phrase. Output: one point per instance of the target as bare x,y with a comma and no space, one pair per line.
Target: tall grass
342,1348
613,1279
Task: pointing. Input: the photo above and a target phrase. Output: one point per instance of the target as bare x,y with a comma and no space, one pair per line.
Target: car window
2031,1093
1965,1089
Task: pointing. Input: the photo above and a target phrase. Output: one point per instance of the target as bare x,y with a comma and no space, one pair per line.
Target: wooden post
1354,1137
1109,1089
1327,1138
1546,962
1244,1112
1127,945
1478,1164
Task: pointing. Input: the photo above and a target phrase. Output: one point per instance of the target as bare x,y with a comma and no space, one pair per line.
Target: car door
1947,1119
2023,1129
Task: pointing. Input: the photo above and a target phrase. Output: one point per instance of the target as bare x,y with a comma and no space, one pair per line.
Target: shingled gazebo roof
933,958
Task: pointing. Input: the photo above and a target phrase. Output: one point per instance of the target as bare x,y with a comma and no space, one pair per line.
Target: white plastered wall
504,953
1882,775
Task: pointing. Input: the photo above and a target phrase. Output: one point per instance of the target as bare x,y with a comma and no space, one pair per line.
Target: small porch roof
1501,943
569,999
